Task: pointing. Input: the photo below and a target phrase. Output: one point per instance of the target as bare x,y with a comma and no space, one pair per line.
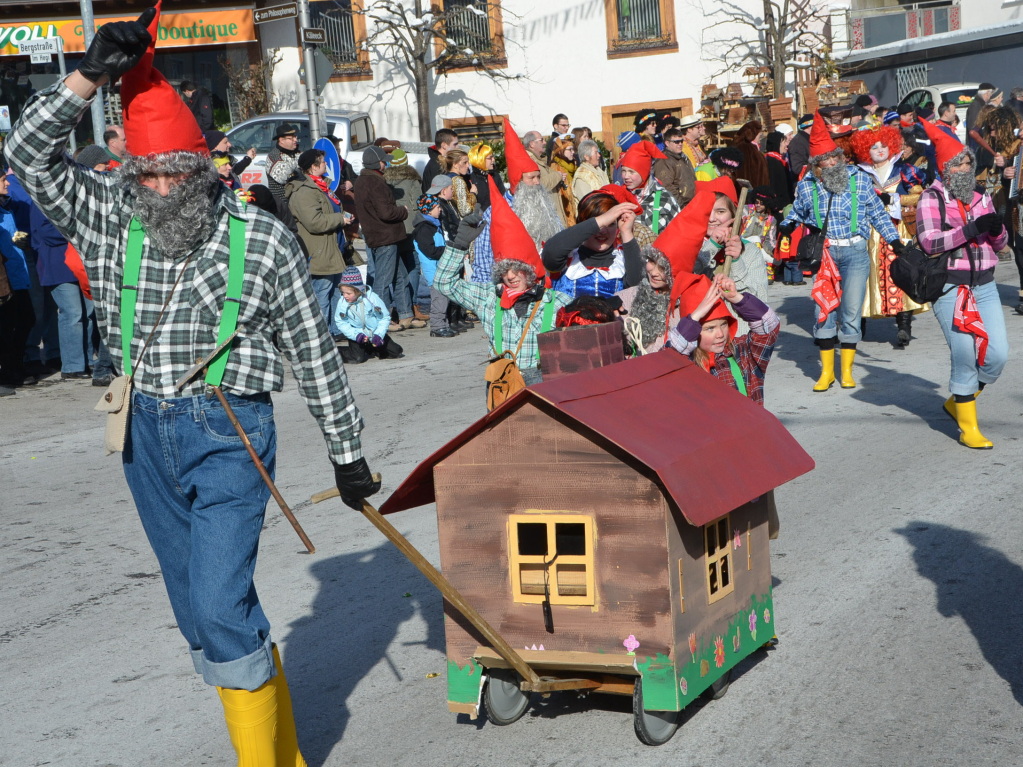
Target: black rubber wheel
503,698
654,728
718,689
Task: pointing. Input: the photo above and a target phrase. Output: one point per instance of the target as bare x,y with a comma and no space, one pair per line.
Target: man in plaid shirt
199,496
840,199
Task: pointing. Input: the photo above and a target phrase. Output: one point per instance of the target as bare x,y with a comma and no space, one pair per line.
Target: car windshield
260,134
960,96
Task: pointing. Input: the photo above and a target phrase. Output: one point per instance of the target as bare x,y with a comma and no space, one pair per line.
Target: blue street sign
330,154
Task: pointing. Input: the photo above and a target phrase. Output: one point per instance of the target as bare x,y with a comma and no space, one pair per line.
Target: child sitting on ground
363,319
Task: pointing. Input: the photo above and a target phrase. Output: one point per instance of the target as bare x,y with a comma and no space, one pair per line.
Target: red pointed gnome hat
820,138
508,235
515,155
693,293
945,146
621,194
640,156
681,240
721,185
156,119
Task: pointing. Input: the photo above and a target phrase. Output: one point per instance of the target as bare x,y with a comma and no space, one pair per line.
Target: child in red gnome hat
658,205
176,261
706,333
839,199
954,218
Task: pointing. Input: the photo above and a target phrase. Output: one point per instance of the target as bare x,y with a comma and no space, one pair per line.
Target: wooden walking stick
192,373
737,223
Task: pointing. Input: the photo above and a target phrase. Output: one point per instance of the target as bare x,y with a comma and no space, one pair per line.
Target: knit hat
92,155
213,138
516,157
156,120
720,185
352,277
805,121
821,143
640,157
398,158
220,158
426,203
626,139
693,294
308,158
783,128
891,116
439,184
373,156
478,155
508,236
682,239
946,146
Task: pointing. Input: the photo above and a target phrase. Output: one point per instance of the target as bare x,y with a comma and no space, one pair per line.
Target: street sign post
39,51
275,13
40,58
333,161
314,36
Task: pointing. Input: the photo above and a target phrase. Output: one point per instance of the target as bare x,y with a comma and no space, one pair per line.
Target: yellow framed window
551,553
717,538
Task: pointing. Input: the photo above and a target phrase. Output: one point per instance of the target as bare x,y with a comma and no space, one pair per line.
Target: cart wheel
504,699
654,728
719,687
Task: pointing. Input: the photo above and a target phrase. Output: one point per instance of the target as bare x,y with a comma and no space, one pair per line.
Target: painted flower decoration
704,667
692,644
753,622
736,641
767,615
737,543
719,651
683,685
631,643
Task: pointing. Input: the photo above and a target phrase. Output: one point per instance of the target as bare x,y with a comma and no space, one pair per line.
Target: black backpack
923,277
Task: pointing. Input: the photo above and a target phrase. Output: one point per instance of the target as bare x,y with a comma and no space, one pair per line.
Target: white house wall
559,45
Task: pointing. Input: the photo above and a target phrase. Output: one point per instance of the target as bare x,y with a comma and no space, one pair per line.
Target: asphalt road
898,576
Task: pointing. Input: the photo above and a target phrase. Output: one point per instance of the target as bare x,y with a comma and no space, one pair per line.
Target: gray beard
835,178
181,221
651,309
534,207
961,185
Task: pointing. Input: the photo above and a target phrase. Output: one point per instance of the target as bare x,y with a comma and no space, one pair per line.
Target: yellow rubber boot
966,417
288,754
827,370
848,355
252,724
950,405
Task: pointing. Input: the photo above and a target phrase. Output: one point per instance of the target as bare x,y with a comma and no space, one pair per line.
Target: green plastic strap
498,328
855,208
130,290
232,302
546,324
817,207
656,227
740,382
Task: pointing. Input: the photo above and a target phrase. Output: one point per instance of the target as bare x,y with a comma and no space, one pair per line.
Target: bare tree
249,86
774,34
429,40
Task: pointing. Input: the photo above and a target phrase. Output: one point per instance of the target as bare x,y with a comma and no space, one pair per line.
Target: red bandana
966,318
827,285
508,297
321,182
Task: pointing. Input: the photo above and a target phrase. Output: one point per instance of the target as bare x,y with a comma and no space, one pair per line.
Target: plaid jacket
483,299
279,313
869,209
752,351
934,241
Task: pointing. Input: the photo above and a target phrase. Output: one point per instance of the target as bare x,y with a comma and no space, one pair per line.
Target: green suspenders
656,223
546,324
740,382
853,218
232,302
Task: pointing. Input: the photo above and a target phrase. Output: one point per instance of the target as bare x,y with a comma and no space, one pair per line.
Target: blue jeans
966,373
45,329
73,310
327,294
389,279
854,265
791,270
103,366
201,502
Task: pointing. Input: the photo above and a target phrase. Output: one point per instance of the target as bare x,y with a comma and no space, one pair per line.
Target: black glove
467,232
899,247
885,198
989,222
117,47
355,482
786,230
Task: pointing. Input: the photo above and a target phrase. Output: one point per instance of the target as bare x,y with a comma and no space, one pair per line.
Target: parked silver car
929,96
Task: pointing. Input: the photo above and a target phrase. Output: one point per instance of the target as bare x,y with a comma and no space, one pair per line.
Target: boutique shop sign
176,30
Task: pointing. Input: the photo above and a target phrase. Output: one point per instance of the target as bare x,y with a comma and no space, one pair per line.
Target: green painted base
464,682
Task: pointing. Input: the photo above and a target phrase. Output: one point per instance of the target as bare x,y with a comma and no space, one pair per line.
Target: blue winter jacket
367,315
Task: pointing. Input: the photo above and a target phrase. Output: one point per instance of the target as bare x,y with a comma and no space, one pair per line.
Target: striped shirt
279,313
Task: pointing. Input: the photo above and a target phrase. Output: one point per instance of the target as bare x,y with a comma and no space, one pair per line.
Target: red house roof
712,448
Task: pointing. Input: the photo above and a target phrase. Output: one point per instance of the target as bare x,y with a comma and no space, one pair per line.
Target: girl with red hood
706,333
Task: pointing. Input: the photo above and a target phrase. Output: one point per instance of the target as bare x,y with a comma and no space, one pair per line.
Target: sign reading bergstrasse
40,45
275,13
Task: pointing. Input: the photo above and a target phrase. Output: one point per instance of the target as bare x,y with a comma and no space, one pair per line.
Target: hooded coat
318,225
405,182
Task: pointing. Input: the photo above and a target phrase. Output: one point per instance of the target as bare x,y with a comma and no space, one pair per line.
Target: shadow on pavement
352,622
980,585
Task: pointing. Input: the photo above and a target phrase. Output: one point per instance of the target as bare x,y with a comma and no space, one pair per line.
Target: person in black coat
779,178
199,103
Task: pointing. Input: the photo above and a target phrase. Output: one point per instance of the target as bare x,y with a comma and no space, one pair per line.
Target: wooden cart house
612,527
